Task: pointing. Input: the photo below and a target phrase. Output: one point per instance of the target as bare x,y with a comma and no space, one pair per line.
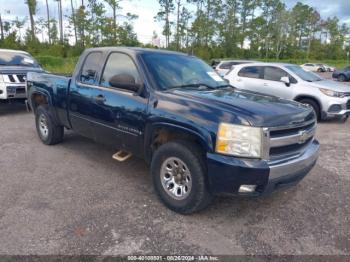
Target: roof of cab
13,51
135,50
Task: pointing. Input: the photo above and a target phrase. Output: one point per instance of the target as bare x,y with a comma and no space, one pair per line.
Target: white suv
288,81
14,66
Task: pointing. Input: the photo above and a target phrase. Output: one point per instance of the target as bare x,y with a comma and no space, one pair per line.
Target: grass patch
58,65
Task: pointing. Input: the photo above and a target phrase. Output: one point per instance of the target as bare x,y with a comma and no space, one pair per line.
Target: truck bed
57,88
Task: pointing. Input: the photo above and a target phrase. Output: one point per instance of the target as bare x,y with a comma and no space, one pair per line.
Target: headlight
238,140
332,93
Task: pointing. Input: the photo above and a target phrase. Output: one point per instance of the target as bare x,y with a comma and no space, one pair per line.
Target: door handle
100,99
265,84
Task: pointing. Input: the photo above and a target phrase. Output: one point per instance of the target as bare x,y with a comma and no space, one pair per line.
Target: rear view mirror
286,80
124,81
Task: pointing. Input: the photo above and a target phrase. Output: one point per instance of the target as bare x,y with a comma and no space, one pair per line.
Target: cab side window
250,72
275,74
90,68
119,64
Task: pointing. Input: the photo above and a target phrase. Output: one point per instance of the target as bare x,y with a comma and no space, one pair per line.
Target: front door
119,114
273,85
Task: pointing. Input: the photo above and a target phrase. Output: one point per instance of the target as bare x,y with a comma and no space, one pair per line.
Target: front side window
250,72
90,68
119,64
274,73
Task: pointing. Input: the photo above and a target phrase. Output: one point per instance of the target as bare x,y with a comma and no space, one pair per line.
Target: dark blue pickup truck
200,135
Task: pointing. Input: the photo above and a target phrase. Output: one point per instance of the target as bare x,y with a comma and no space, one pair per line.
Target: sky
147,9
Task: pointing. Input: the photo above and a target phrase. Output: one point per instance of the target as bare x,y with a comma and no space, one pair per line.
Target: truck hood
19,69
258,109
332,85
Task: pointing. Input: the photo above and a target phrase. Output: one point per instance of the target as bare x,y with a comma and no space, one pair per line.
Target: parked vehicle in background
200,135
328,68
225,66
14,66
342,74
214,63
313,67
328,98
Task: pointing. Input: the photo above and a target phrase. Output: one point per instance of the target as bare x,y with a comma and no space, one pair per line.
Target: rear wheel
49,132
314,105
341,78
180,178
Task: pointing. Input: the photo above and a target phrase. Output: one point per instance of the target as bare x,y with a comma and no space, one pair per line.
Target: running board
121,156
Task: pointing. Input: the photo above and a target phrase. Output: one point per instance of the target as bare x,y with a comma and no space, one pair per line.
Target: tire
319,70
314,105
49,132
187,155
341,78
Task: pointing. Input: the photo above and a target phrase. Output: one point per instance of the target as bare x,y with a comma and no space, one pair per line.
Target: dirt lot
74,199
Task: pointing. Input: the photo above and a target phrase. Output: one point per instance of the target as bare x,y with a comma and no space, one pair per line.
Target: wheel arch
157,134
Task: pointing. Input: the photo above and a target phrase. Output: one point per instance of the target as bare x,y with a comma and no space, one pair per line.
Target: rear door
249,78
80,94
119,114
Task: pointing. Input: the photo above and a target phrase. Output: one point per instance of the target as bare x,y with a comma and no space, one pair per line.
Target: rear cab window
90,68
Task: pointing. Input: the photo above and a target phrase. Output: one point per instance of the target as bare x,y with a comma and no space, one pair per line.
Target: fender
44,92
203,136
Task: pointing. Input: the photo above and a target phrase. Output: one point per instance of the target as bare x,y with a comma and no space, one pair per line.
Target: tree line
264,29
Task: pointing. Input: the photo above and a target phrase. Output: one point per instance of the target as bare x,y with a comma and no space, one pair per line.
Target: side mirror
124,81
286,80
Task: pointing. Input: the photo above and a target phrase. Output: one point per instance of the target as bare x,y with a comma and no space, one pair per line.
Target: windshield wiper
200,85
192,85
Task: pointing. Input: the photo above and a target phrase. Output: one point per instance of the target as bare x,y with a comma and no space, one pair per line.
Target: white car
327,97
226,65
314,67
328,68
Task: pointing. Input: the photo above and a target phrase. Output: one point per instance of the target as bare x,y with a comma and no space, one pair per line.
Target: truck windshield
181,71
8,58
305,75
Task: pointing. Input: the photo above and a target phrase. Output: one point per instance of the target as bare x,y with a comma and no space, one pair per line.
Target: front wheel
49,132
341,78
314,106
179,177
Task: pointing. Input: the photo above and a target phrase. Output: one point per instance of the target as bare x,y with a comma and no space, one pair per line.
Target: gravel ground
73,198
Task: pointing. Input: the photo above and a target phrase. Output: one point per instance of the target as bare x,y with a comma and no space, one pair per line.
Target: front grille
21,78
12,79
348,105
289,141
288,149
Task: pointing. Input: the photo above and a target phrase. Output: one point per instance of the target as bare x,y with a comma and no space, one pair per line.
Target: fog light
247,188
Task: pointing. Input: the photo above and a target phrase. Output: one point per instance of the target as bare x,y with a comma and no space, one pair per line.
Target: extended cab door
80,92
119,114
